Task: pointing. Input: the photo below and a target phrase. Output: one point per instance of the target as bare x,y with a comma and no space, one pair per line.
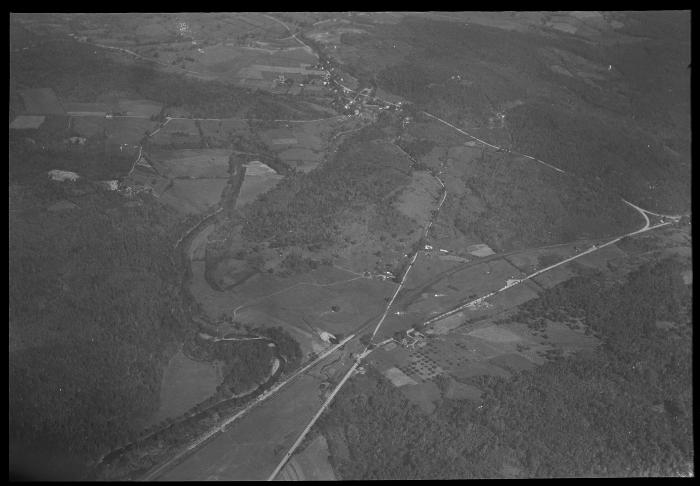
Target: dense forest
95,310
629,129
629,161
303,209
623,409
523,204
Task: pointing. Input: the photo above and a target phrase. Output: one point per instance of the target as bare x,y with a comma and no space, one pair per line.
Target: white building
63,175
327,337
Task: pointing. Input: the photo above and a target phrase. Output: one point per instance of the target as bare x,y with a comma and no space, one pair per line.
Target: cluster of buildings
410,339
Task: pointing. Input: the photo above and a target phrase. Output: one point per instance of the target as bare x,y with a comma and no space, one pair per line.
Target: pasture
252,446
424,395
41,101
254,185
475,280
178,133
236,63
185,383
118,130
310,306
301,159
419,198
311,464
193,163
219,133
143,108
194,195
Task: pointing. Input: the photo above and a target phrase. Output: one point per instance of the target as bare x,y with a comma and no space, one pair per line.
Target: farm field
178,134
311,464
185,383
475,280
420,198
192,163
309,306
302,145
144,108
251,447
259,178
198,247
241,63
219,133
261,301
194,196
301,159
41,101
118,130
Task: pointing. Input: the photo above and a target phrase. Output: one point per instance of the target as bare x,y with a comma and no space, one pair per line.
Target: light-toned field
195,163
118,130
248,302
88,126
198,247
27,121
194,196
301,159
145,108
219,133
256,168
480,250
398,377
443,326
41,101
178,133
599,259
252,447
462,391
237,63
474,280
185,383
254,185
420,198
423,394
127,130
311,464
555,276
309,306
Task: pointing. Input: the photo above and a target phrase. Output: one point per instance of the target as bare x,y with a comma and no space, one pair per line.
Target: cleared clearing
145,108
254,185
185,383
309,465
419,199
194,196
195,163
399,378
495,334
